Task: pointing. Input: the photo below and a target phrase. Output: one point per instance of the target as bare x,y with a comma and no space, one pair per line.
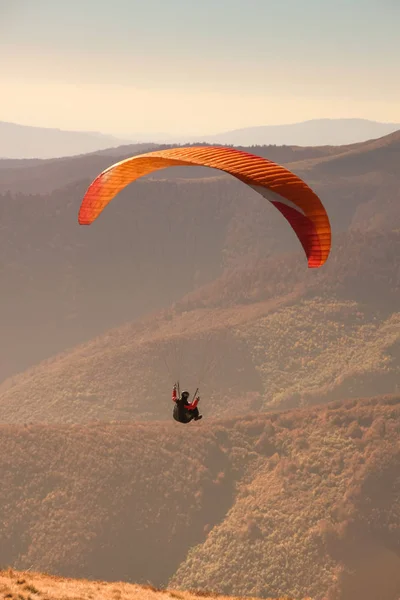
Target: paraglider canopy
286,191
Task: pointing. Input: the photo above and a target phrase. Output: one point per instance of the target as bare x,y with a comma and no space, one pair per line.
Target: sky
197,66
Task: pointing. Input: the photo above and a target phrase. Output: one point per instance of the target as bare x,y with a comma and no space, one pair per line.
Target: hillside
261,337
23,141
299,503
20,585
312,517
359,159
62,284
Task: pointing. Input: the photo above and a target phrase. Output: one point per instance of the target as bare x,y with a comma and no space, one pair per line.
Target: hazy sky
197,66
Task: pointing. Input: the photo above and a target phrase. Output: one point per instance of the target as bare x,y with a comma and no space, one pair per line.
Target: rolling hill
301,503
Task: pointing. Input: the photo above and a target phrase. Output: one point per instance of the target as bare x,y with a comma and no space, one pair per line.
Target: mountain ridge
31,142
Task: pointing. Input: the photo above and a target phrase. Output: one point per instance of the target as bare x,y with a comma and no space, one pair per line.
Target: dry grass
27,585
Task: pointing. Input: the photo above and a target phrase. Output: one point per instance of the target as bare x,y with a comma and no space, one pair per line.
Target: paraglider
286,191
185,411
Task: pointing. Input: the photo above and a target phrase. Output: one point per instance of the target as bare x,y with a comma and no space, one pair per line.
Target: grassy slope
313,351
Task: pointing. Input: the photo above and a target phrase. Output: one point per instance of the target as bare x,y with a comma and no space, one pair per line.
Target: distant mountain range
317,132
21,141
